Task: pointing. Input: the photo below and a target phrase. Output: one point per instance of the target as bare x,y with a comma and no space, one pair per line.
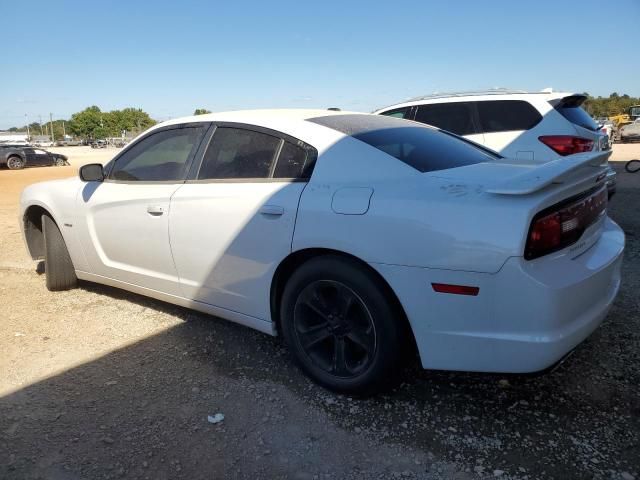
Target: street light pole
53,138
26,119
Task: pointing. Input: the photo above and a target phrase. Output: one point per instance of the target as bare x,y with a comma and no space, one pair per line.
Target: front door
231,227
124,221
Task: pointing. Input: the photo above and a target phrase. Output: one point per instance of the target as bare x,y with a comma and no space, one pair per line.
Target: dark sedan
15,157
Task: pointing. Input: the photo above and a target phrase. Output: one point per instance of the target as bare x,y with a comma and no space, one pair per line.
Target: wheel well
33,231
297,259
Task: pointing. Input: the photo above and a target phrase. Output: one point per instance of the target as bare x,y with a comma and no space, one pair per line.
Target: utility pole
41,131
26,119
53,138
64,132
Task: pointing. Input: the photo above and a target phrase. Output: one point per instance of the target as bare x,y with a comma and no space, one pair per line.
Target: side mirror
92,172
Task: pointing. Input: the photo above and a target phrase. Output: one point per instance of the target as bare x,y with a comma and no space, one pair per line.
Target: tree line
94,123
609,106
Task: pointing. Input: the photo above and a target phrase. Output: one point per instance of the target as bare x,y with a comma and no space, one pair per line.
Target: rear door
123,222
456,117
233,223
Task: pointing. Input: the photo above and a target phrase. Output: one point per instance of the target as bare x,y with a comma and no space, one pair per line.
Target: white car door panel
124,221
231,228
124,240
228,238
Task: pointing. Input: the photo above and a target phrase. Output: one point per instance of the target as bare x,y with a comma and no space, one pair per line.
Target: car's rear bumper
524,319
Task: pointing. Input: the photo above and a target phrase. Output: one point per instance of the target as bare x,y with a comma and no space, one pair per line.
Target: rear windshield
570,109
423,148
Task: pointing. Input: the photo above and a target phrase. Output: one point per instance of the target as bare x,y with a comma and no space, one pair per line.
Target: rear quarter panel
413,219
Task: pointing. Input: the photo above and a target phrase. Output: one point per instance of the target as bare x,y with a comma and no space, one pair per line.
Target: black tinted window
454,117
397,113
161,156
423,148
578,116
239,153
294,161
507,115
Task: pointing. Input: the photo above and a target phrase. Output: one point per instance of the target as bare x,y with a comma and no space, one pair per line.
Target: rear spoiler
574,100
536,178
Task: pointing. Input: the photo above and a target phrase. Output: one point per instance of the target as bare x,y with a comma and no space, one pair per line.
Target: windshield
424,148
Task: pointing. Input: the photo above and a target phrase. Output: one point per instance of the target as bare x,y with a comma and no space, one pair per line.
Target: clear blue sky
171,57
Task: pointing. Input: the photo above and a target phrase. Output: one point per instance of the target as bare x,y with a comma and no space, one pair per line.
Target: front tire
58,268
341,327
15,163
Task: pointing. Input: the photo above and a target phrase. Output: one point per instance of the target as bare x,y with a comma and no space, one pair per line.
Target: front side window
454,117
397,113
239,153
507,115
161,156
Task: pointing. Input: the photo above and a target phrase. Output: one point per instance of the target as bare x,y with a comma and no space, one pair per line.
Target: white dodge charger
356,237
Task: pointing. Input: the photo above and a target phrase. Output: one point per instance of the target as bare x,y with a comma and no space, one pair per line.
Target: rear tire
341,327
15,163
58,268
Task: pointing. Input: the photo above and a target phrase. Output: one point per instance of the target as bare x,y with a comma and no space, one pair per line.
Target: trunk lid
533,189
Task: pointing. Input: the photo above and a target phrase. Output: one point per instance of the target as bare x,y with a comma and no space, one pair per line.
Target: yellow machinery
633,113
622,119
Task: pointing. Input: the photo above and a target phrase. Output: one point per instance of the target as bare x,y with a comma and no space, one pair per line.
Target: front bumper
525,318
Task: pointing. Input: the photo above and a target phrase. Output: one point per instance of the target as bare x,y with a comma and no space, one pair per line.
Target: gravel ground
100,383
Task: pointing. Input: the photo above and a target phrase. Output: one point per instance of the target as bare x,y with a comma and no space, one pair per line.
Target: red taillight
455,289
566,144
562,225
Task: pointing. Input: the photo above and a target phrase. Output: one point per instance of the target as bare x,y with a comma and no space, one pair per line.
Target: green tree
201,111
89,123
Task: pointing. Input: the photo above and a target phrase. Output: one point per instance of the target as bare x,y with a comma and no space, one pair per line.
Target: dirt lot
100,383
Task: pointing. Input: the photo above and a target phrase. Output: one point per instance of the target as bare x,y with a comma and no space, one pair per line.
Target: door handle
274,210
155,210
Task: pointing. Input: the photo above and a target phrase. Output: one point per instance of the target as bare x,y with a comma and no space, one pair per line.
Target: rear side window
294,161
423,148
507,116
457,117
397,113
239,153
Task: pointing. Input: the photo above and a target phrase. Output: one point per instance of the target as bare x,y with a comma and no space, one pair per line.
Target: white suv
534,127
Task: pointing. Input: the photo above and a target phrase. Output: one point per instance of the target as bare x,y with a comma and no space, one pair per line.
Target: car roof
287,121
481,95
260,115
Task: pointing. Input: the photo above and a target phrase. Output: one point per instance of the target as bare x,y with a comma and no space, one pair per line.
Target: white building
13,137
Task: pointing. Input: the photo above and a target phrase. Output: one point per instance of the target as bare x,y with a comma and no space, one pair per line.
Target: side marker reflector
455,289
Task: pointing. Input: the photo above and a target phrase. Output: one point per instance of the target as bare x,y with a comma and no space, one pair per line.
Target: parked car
608,128
16,157
630,132
526,126
68,143
354,236
98,144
